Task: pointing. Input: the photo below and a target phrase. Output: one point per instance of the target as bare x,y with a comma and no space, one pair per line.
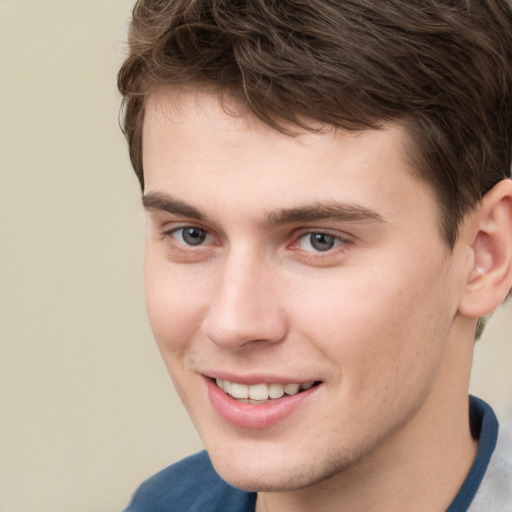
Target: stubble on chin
301,476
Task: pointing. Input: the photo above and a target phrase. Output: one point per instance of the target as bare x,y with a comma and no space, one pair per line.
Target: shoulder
193,485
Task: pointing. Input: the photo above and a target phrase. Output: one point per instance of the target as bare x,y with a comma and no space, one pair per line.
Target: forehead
194,146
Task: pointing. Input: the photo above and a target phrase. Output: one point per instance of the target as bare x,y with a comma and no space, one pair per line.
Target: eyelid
337,241
165,222
344,237
179,251
344,243
171,232
181,233
168,231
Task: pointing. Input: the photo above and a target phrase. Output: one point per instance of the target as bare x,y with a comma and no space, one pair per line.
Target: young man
328,195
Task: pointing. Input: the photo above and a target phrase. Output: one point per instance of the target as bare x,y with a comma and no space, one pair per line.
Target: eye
318,242
190,235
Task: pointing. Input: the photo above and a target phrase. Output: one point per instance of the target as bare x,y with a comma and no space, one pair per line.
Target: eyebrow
344,212
323,211
167,203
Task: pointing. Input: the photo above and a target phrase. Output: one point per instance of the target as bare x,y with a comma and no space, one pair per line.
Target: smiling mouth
262,393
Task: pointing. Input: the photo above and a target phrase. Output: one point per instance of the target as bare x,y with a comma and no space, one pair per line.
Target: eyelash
178,242
174,232
320,236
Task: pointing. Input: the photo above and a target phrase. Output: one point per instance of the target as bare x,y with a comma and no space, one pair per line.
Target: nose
244,310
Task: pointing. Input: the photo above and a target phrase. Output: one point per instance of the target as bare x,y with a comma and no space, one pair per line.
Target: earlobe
490,277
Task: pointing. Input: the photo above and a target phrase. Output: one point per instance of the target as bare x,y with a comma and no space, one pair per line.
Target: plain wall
86,407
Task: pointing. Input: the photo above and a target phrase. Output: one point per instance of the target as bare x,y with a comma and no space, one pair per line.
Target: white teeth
275,390
239,390
261,392
291,389
258,392
224,384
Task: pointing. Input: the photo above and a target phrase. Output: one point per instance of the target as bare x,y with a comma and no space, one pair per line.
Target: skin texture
375,319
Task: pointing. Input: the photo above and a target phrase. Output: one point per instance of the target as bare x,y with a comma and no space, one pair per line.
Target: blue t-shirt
193,485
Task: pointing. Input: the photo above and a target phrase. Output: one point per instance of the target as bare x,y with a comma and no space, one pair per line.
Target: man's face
306,271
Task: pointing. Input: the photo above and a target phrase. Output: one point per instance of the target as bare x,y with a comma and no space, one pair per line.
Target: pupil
322,242
193,236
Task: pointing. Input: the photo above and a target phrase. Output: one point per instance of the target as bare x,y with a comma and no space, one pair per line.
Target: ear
489,233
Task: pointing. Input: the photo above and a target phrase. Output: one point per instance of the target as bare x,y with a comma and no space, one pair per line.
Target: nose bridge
243,306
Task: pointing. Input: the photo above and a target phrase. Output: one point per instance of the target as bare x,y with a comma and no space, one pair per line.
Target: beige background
86,408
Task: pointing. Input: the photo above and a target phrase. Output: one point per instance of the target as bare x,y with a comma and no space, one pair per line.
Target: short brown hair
443,68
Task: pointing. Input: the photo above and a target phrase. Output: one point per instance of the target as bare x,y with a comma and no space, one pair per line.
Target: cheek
173,305
174,313
379,329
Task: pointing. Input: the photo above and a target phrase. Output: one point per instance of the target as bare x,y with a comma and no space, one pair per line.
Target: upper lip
256,378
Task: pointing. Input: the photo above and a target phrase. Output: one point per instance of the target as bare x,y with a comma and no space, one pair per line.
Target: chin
252,480
279,473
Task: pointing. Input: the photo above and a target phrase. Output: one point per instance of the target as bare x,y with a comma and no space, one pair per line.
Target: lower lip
255,416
